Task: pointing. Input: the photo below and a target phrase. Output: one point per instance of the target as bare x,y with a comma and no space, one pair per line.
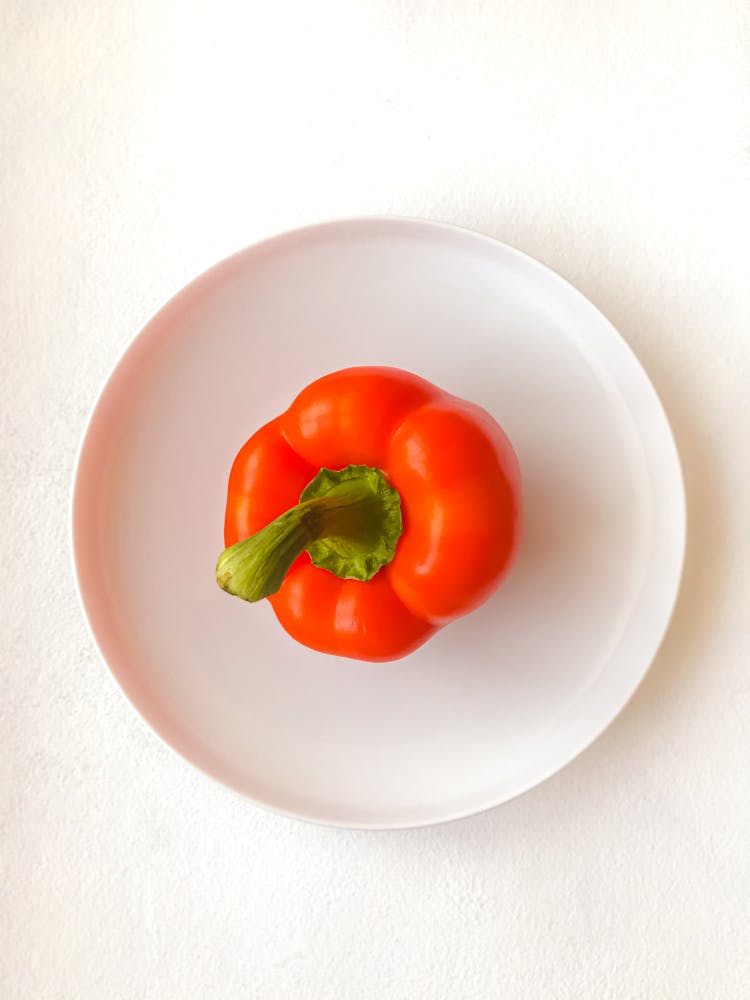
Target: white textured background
142,141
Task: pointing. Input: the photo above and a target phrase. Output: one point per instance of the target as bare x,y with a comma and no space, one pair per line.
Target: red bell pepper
376,509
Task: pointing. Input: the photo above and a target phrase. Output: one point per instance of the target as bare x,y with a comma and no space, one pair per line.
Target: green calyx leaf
349,521
361,521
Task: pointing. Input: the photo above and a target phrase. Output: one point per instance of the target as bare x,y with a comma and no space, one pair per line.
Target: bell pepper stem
348,520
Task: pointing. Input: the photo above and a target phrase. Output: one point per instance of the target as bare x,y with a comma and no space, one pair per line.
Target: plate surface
497,701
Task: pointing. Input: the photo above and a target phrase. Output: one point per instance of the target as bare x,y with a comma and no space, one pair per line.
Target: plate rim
679,513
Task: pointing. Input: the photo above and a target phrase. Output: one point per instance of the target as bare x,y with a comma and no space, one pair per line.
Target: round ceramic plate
497,701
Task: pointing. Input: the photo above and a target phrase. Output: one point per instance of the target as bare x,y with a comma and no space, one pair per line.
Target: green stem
348,520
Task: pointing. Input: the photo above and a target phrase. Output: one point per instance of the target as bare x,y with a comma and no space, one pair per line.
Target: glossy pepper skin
459,484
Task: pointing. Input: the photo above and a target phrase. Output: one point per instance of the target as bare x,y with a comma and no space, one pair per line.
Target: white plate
494,703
